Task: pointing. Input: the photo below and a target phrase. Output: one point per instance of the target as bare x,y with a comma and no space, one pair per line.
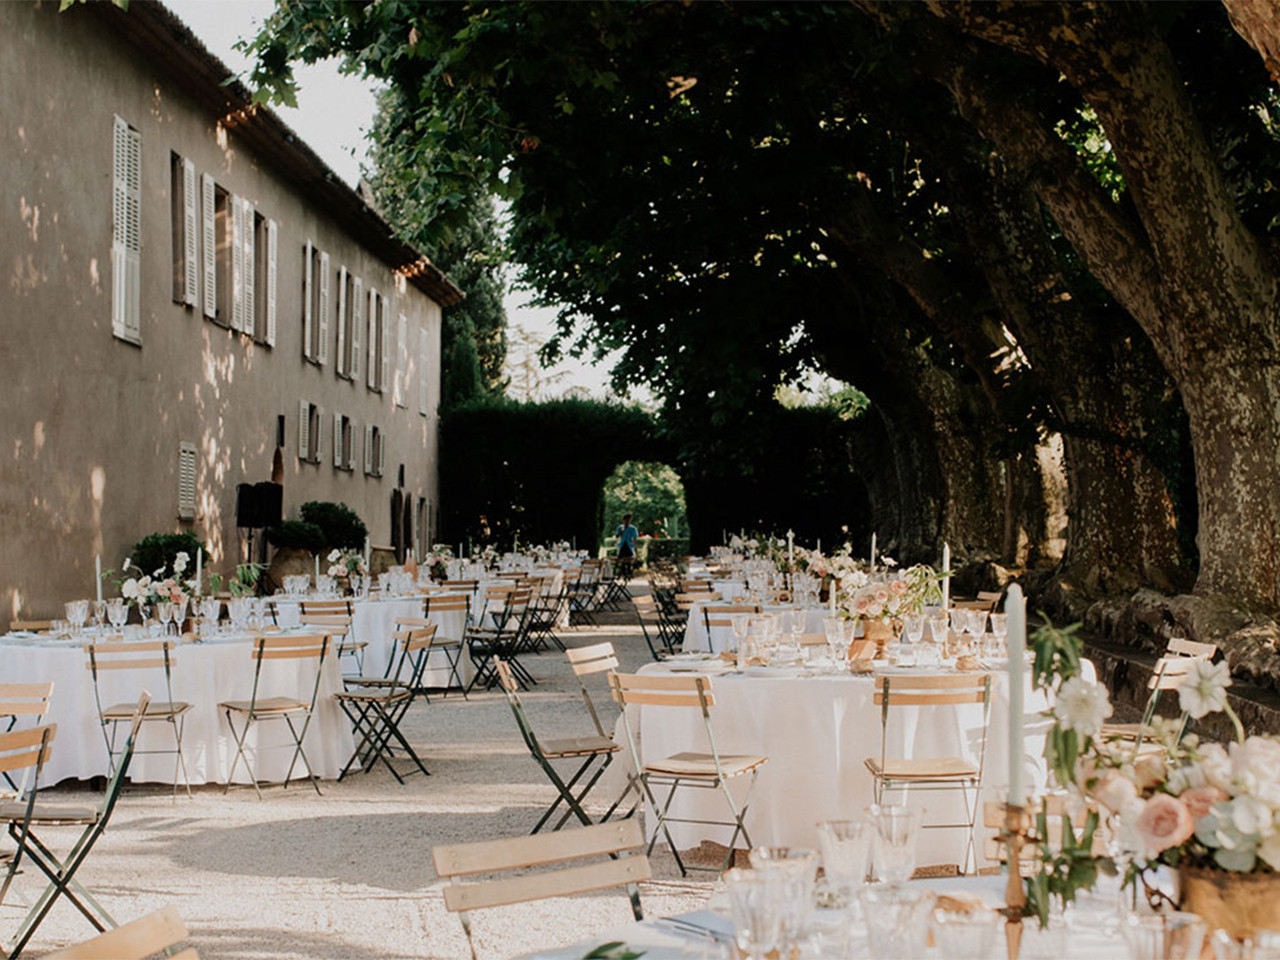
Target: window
375,451
316,285
377,341
424,394
343,443
224,305
186,481
209,237
350,322
183,204
310,433
401,389
126,241
266,246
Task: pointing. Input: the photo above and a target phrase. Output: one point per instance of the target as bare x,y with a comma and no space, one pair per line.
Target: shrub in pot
340,527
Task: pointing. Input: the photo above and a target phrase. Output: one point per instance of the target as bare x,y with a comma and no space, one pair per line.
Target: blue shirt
627,536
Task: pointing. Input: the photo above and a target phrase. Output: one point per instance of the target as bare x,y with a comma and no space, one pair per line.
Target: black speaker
259,504
246,505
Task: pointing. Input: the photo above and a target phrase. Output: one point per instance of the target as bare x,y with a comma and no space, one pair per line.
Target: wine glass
799,620
846,848
117,612
894,841
164,610
913,627
77,612
739,622
833,627
756,901
179,615
99,613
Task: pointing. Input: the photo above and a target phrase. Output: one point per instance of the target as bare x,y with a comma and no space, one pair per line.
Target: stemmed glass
1000,627
894,841
211,610
913,627
833,627
164,610
117,612
846,848
77,612
799,620
756,901
179,615
800,867
99,613
740,623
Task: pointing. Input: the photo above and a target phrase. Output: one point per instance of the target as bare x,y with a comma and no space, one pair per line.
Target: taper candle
1015,607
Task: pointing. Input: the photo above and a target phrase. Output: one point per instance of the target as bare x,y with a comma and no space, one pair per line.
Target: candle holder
1015,833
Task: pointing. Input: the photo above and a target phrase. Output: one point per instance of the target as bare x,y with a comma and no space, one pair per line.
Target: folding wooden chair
546,605
615,588
335,617
376,707
648,617
451,647
261,709
148,656
22,754
590,749
707,771
720,617
34,626
61,871
502,640
19,701
158,934
617,841
957,774
1167,674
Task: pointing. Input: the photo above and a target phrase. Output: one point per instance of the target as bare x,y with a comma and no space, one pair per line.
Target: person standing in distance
627,537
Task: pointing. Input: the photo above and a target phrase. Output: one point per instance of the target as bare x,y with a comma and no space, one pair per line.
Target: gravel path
348,875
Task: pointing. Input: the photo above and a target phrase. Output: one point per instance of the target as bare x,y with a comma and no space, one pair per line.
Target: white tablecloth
204,675
695,628
817,731
374,623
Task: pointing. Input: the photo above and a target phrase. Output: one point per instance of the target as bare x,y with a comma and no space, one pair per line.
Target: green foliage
651,492
339,525
1064,871
296,535
158,550
245,582
614,950
1057,658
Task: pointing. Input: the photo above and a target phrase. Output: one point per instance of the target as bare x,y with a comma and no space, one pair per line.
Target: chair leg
566,795
299,752
662,824
739,817
178,723
582,794
240,754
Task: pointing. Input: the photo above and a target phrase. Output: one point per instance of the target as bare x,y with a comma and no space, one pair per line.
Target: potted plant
297,545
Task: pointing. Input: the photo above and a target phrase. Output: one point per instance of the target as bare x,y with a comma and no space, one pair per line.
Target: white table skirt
695,628
374,623
204,674
817,733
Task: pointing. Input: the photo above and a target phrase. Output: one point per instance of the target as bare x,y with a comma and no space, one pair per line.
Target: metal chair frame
348,645
503,641
25,751
453,650
19,700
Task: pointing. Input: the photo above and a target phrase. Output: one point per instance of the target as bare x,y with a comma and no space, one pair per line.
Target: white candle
317,569
831,597
819,545
791,549
1016,609
873,553
946,577
368,553
199,570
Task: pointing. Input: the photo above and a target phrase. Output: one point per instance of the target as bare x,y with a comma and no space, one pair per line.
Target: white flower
1251,817
1204,690
335,555
1269,850
1082,706
1255,763
125,565
180,562
129,589
1216,766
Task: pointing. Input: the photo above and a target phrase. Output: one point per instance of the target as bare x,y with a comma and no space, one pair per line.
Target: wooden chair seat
929,768
347,646
156,710
264,705
382,695
49,813
577,747
703,765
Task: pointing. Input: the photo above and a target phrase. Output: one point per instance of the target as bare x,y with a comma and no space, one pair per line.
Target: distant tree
650,492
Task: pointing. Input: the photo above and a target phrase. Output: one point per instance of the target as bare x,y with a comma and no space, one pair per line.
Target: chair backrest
903,689
461,584
24,700
410,645
695,586
308,646
661,690
586,661
618,841
156,934
335,625
445,602
1168,673
115,654
721,615
813,639
1191,648
23,754
325,608
34,625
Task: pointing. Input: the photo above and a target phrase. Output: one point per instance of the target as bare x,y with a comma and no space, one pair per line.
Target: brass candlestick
1014,835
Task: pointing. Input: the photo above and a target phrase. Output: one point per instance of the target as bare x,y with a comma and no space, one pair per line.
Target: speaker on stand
259,505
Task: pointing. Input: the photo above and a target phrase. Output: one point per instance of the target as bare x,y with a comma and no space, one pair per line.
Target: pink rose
1199,799
1164,822
1113,791
899,587
1149,771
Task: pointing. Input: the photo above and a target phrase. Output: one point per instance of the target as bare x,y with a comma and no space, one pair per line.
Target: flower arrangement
907,593
159,586
346,563
1179,802
437,561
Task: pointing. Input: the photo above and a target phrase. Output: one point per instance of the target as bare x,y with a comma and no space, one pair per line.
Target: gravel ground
348,874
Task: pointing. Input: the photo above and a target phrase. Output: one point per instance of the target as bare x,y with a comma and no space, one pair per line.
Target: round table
817,731
204,674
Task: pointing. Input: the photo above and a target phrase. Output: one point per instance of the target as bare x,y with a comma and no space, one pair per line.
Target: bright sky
333,115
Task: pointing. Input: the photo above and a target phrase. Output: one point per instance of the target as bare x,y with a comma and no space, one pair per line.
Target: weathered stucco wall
91,423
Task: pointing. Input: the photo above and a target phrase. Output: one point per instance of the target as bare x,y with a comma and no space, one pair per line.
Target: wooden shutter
384,338
209,240
357,327
306,299
382,453
368,450
402,361
191,267
424,395
340,361
186,481
373,339
126,242
273,247
237,262
247,313
337,440
304,430
133,236
326,284
318,437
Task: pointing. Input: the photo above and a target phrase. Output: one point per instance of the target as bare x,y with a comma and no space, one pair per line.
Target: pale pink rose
899,587
1200,799
1164,822
1113,791
882,594
1149,771
860,605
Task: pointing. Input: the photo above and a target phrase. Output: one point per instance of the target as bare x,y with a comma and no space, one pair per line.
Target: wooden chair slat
560,883
513,853
23,708
933,681
139,664
132,941
133,646
1191,648
928,699
32,691
662,699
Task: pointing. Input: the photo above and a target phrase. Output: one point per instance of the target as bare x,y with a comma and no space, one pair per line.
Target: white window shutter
237,263
250,270
133,236
368,450
209,241
349,444
326,283
340,361
382,454
304,430
357,327
318,439
402,361
424,396
384,343
191,267
186,481
273,247
306,299
373,339
337,440
119,203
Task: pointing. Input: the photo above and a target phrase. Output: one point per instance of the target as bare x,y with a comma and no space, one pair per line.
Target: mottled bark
1258,21
1188,270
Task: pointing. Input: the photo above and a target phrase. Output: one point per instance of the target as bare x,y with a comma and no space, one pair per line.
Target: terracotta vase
879,632
1239,903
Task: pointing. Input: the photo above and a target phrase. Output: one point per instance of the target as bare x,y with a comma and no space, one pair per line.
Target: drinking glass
164,610
913,627
99,613
179,615
833,627
800,867
756,903
965,934
739,622
1000,625
959,617
977,623
896,917
938,631
799,620
117,612
1164,936
77,612
893,843
211,610
846,848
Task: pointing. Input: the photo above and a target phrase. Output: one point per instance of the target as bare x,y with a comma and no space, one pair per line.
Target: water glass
800,866
180,615
977,625
1164,936
837,646
913,627
738,622
897,920
99,613
965,934
164,610
1000,625
938,630
756,903
117,612
893,844
846,849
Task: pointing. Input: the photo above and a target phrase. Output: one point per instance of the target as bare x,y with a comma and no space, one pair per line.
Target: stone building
189,289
